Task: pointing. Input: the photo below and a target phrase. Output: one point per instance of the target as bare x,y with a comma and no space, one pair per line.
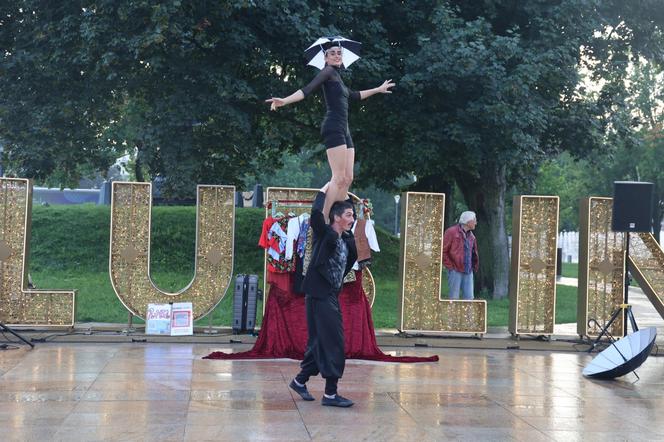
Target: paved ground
154,391
106,387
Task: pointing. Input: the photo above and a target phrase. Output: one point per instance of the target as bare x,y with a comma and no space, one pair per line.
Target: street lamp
396,215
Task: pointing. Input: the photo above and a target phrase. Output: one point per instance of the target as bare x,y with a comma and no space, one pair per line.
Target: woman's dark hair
330,45
338,209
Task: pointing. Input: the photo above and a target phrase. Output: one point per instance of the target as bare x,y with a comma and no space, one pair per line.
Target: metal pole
396,214
626,300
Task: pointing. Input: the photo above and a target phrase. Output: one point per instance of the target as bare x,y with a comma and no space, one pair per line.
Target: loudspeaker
632,206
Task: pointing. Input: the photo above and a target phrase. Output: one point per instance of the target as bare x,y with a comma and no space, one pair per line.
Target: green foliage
644,159
70,238
293,171
571,180
183,84
77,238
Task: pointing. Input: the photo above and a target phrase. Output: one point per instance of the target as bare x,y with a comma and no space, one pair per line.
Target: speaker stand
626,288
605,330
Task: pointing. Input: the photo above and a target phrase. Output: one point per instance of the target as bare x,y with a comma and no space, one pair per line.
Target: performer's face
333,56
346,219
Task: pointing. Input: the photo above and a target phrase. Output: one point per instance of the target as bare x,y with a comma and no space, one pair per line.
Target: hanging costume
366,241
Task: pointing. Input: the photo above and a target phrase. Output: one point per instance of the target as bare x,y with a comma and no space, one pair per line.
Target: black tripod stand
4,328
622,307
605,330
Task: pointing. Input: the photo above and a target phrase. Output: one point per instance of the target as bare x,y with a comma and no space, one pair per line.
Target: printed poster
158,319
182,321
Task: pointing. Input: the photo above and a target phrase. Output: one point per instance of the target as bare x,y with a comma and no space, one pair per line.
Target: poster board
158,319
182,319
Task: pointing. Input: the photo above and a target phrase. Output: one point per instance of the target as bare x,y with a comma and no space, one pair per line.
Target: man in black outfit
333,255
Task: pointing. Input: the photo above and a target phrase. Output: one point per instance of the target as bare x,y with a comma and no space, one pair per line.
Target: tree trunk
486,197
138,165
138,170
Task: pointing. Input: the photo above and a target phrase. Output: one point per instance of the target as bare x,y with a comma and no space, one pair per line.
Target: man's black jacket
317,280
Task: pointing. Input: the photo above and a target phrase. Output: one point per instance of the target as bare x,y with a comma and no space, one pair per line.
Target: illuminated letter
421,308
646,260
19,306
129,261
601,268
533,274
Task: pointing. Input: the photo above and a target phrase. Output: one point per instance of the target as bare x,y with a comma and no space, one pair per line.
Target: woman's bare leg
338,188
350,162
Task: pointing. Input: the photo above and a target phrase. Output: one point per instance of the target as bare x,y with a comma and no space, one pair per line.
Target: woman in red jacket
460,256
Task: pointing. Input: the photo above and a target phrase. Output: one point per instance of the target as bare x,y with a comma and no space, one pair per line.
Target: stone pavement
166,392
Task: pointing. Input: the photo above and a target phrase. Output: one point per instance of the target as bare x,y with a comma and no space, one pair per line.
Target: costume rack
275,205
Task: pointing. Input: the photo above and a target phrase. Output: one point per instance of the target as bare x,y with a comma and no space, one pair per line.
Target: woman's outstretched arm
292,98
300,94
382,89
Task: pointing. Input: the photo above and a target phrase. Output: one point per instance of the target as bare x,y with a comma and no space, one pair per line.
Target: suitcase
245,301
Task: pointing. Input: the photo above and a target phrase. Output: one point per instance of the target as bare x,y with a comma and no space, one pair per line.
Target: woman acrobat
334,129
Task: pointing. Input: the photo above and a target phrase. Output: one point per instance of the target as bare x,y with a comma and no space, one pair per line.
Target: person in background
460,256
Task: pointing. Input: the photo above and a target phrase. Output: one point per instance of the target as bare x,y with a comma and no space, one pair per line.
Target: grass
570,270
566,297
96,301
69,250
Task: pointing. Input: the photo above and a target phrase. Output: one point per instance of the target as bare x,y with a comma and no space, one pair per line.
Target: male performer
333,255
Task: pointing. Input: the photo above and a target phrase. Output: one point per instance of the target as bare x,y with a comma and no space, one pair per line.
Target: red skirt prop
284,330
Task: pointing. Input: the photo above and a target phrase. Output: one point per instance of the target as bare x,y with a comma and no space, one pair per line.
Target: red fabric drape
284,330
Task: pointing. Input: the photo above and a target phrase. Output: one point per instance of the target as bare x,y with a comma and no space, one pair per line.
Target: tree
486,90
181,83
45,96
493,88
640,157
571,180
291,173
648,90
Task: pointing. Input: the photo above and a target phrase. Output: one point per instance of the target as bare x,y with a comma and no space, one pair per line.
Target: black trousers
325,346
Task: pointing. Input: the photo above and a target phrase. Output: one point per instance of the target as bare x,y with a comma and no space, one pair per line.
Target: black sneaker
302,391
337,401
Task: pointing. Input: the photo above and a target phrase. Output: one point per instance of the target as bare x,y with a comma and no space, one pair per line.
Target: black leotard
334,129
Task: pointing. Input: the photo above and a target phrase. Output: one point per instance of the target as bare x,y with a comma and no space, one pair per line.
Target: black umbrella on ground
622,356
315,53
